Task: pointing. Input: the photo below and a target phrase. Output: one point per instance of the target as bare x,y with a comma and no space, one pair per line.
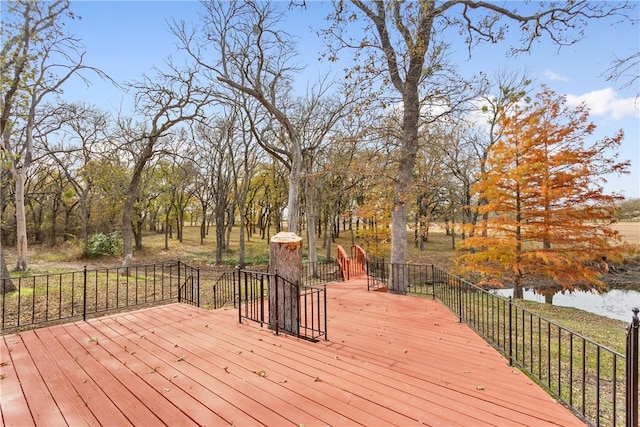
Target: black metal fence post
459,300
632,371
261,299
84,294
325,313
179,282
198,285
510,332
277,299
239,295
433,281
295,294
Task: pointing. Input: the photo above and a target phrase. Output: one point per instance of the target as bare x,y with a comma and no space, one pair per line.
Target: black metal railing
377,274
598,383
632,370
189,290
320,272
45,299
284,306
224,290
416,279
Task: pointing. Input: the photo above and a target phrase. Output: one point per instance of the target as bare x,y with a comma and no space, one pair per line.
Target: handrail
44,299
632,370
256,303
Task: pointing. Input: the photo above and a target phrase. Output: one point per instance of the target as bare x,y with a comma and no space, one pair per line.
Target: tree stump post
285,260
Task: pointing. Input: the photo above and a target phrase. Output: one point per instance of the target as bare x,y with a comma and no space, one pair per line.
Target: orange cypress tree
549,219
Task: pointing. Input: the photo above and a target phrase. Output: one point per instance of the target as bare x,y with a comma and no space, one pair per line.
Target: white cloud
555,76
605,102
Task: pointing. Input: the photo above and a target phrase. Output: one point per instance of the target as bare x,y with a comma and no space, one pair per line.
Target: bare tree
250,54
215,143
317,117
402,41
38,57
83,131
626,71
245,156
168,100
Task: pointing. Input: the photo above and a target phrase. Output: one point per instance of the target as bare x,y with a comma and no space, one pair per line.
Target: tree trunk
203,225
6,284
518,291
137,234
285,261
21,222
327,237
402,188
129,201
166,229
241,254
293,204
85,220
311,227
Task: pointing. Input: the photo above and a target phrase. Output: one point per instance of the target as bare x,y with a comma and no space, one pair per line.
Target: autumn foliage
549,221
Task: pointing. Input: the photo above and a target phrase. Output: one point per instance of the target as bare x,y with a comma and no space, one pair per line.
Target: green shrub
101,244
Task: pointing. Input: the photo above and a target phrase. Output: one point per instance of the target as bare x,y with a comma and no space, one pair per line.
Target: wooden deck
390,360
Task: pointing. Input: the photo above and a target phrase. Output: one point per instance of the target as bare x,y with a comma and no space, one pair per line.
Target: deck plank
14,409
297,377
298,409
390,360
360,385
63,391
205,390
43,409
120,385
92,393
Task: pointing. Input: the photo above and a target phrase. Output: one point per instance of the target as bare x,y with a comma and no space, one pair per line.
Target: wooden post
285,259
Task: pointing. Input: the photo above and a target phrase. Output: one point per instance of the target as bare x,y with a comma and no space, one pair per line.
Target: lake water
616,304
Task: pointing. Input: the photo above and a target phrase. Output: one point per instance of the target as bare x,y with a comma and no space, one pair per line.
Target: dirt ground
630,231
627,275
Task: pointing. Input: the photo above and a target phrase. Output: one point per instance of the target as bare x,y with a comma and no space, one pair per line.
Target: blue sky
127,38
